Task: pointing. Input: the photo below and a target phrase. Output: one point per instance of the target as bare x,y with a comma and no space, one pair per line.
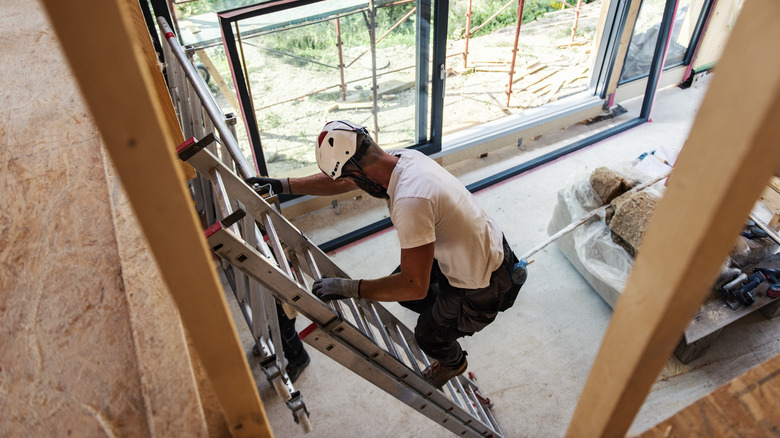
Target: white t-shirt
427,204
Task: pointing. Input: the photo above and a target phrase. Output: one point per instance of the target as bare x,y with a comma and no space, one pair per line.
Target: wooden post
218,79
106,55
622,50
729,156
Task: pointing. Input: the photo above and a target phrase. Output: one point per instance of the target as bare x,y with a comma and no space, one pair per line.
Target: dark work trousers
448,313
291,343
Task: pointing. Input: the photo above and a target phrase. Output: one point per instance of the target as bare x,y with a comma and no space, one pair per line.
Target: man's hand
328,289
279,186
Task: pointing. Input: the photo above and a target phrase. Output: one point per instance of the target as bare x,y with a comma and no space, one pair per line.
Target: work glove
328,289
279,186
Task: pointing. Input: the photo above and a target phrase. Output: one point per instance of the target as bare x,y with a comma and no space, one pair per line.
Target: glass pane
645,36
293,61
553,59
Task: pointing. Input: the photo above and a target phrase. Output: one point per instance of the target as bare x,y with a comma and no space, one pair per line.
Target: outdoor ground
290,113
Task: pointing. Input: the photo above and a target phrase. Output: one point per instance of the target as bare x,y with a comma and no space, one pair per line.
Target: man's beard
370,187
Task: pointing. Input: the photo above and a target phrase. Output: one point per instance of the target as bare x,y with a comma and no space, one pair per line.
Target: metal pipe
492,17
520,4
576,20
372,37
213,110
468,28
398,23
339,46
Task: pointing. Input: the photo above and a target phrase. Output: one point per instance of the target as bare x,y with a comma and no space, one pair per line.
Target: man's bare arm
409,284
320,185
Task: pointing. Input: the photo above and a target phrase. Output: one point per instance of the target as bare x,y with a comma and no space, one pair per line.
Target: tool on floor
520,269
359,334
773,291
745,293
753,231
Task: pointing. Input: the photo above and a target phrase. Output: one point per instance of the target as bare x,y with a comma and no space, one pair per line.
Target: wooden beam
622,50
141,33
108,61
729,157
746,406
219,80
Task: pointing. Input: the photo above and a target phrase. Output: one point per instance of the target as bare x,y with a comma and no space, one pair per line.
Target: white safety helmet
336,144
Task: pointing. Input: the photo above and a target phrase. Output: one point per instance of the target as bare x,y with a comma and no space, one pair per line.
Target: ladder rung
380,325
360,323
276,244
369,332
353,345
463,395
222,200
407,350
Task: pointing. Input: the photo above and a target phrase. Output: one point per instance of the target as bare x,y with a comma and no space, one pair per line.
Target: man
455,263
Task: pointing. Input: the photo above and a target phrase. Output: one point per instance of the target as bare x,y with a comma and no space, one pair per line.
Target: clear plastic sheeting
590,247
598,253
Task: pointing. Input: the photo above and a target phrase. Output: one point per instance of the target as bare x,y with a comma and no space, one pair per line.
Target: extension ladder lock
359,334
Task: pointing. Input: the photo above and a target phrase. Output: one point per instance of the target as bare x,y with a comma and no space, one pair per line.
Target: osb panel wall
90,342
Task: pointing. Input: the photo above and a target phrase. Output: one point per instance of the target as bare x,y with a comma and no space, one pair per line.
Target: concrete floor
534,360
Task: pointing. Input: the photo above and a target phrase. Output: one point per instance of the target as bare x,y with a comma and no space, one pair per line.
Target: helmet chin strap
365,183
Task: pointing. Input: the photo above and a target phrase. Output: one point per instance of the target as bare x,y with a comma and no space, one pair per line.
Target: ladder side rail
184,96
259,325
213,110
320,264
240,285
475,401
268,274
422,402
173,69
254,201
264,315
227,245
272,320
195,107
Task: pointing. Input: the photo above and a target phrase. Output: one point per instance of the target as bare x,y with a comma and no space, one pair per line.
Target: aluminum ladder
359,334
200,115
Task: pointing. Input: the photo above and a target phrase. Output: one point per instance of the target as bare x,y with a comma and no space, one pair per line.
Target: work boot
294,370
438,374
